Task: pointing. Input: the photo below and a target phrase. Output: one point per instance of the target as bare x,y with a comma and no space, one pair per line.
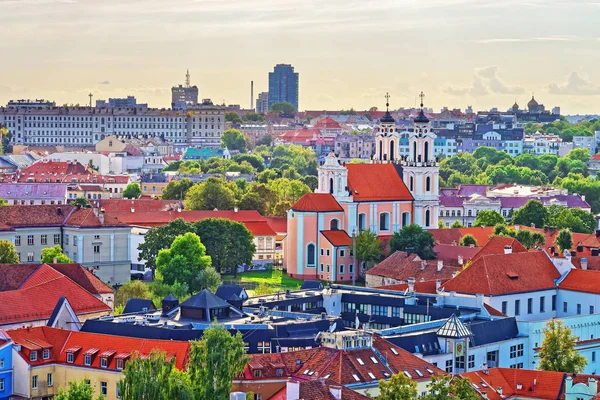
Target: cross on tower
422,96
387,101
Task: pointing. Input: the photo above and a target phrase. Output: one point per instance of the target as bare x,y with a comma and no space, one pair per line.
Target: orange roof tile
579,280
376,182
400,266
496,245
317,202
337,238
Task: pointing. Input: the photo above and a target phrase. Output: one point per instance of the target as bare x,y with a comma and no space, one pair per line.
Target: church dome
422,118
532,103
515,106
387,119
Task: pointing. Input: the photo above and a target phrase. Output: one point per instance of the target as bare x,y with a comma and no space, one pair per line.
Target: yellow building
45,359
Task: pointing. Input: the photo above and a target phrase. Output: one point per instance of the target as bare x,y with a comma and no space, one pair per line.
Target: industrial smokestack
252,95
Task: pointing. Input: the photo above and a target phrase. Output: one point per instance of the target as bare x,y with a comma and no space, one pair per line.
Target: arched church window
310,255
427,218
331,185
334,224
362,222
428,184
384,221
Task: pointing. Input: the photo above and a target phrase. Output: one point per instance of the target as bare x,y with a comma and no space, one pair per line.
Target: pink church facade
383,197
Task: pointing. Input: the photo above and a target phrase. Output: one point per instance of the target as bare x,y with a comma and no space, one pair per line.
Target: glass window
565,307
553,302
87,359
70,357
34,382
310,254
517,307
46,354
471,361
44,239
56,238
504,307
542,304
384,221
17,240
30,240
33,356
578,309
529,305
103,388
50,380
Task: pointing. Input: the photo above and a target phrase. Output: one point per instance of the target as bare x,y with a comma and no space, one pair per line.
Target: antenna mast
187,79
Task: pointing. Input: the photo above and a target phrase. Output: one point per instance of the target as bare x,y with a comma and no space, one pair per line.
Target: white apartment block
200,126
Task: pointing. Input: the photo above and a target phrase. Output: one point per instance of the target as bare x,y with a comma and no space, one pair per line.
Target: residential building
38,103
46,359
586,142
283,85
351,360
6,367
90,192
540,143
205,154
262,102
33,193
348,146
153,184
328,127
382,197
86,235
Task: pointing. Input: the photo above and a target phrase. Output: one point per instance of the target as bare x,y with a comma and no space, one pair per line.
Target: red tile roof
261,228
496,245
317,202
400,266
518,383
38,295
96,344
327,123
481,233
376,182
51,215
448,252
505,274
337,238
13,275
279,224
299,135
579,280
319,390
64,171
493,312
124,205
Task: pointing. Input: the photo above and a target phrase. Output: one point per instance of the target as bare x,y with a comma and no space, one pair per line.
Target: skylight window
408,374
483,384
374,360
386,374
360,361
372,376
475,386
311,373
327,376
356,378
429,370
418,372
305,372
394,351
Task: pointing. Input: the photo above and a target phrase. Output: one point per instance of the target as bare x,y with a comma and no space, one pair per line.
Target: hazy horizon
348,53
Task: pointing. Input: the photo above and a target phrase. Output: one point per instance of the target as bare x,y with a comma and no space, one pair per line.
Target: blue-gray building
6,368
283,85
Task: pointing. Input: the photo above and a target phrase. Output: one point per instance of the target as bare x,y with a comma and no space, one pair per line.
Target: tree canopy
398,387
177,189
132,191
186,262
77,390
564,240
415,237
81,202
209,195
532,213
8,254
368,247
132,290
468,240
283,107
489,218
49,254
558,351
234,140
161,237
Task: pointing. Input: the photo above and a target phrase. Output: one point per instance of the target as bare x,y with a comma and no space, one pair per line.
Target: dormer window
70,358
33,356
46,354
103,362
257,373
87,359
119,363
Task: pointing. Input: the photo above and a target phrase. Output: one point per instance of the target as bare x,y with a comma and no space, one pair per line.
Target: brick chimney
411,284
440,265
460,259
507,249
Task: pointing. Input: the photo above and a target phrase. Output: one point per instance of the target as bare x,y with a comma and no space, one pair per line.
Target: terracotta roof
496,245
481,233
447,236
279,224
327,123
400,266
505,274
93,343
13,275
337,238
83,277
376,182
590,241
448,252
493,312
299,135
124,205
579,280
319,390
38,295
261,228
518,383
317,202
51,215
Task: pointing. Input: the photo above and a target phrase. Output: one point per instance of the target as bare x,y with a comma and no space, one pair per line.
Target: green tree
256,161
283,107
575,219
234,140
443,387
177,189
489,218
232,117
533,212
132,290
558,351
228,243
399,387
3,202
215,361
564,240
77,390
49,254
211,194
132,191
415,237
154,378
266,140
456,224
253,201
441,224
8,254
368,248
186,262
81,202
468,240
161,237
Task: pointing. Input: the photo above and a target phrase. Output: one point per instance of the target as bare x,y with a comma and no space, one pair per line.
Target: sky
348,53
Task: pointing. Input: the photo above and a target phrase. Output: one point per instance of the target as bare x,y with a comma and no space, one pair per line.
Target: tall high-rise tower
283,85
421,171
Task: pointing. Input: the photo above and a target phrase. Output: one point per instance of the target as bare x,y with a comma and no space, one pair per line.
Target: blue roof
311,284
229,292
202,154
138,305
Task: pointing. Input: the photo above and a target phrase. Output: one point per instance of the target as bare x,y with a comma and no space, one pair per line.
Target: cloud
565,38
104,83
485,81
575,85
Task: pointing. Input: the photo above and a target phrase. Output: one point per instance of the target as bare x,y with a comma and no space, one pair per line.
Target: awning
107,353
91,352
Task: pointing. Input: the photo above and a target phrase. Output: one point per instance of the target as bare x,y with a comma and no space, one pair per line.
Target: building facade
262,102
283,85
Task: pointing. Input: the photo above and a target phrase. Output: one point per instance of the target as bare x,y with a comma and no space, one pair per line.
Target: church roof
532,103
317,202
422,118
387,118
376,182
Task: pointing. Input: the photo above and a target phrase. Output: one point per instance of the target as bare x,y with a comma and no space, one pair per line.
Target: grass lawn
269,277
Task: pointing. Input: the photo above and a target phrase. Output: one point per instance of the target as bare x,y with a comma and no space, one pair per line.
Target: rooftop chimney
411,284
440,265
533,225
438,284
507,249
423,265
517,227
584,263
460,259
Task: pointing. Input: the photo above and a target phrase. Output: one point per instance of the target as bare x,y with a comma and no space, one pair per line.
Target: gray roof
138,305
229,292
205,299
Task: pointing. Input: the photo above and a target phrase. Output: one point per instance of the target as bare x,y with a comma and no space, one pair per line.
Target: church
383,196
